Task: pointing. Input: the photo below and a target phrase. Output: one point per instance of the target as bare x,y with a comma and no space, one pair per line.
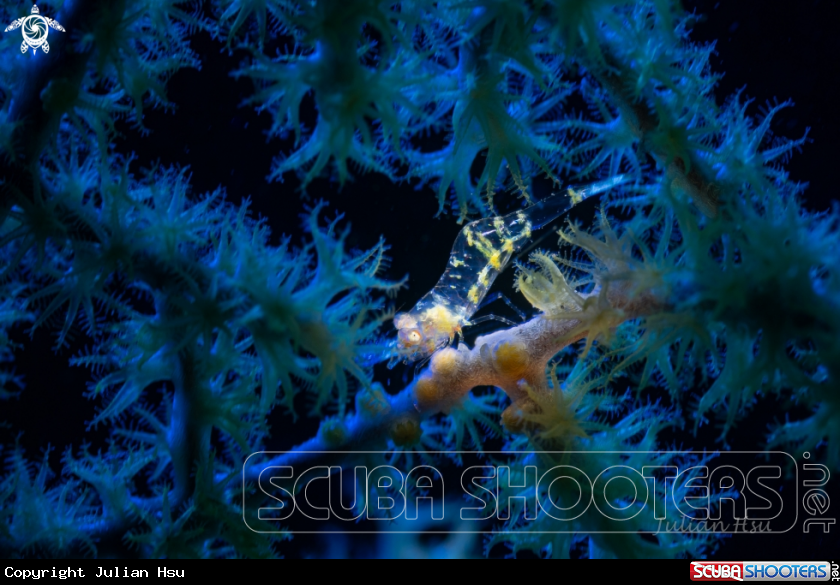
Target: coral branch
513,359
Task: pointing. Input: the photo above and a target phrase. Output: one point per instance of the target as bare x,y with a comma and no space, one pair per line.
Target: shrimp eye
410,337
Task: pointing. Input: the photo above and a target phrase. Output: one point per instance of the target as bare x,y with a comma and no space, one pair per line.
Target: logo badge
35,29
795,571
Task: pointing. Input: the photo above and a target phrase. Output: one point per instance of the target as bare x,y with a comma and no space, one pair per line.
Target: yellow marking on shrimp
496,260
575,196
473,294
499,223
526,232
484,245
439,320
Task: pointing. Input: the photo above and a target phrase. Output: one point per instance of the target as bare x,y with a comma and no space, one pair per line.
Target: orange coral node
427,391
445,362
511,359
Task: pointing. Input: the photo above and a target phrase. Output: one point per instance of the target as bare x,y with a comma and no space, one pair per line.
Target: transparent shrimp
480,253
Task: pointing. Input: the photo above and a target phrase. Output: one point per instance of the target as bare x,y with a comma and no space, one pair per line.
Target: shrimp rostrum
480,253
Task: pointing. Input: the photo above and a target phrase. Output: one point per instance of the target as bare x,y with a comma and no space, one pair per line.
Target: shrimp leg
499,296
492,317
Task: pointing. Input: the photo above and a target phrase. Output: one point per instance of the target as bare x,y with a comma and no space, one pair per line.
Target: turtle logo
35,29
